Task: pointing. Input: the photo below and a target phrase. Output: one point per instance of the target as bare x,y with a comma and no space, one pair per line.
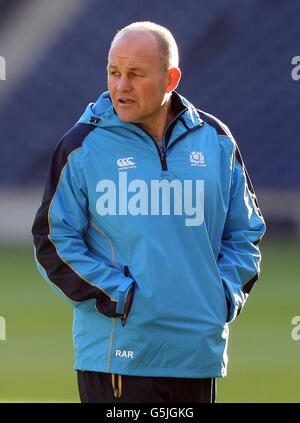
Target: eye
135,75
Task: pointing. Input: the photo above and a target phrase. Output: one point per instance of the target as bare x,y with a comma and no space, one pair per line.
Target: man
149,226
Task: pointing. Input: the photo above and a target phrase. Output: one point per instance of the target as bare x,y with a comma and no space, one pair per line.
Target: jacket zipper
163,154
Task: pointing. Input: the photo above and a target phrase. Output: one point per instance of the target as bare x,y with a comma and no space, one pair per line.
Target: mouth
124,101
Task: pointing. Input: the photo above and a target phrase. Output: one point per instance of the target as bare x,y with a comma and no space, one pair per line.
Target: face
137,80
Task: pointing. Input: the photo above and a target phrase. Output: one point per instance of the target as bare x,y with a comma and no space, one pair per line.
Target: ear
174,78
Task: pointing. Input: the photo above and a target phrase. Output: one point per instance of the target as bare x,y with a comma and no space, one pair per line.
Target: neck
156,129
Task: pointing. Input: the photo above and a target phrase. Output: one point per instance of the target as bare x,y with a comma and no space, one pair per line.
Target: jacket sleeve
59,228
239,258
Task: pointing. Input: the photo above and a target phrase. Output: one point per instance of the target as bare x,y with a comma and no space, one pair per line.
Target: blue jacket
178,226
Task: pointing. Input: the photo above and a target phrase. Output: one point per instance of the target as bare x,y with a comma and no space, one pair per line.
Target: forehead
138,48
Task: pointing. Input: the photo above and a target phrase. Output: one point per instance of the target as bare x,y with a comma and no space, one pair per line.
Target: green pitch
36,359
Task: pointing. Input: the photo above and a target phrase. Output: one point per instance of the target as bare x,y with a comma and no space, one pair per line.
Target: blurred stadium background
236,59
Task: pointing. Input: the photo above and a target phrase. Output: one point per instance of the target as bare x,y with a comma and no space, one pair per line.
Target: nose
124,83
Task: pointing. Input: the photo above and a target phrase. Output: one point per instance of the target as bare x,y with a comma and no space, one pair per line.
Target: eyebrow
133,69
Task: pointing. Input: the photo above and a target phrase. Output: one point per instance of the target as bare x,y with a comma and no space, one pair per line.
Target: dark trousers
112,388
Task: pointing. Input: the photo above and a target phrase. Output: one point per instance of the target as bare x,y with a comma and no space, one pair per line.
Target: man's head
142,72
166,43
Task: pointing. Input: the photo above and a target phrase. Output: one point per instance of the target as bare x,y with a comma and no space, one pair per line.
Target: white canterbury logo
126,163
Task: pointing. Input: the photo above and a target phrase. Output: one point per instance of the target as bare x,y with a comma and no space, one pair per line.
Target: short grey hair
163,36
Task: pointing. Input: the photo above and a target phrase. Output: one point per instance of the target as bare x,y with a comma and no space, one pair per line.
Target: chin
126,117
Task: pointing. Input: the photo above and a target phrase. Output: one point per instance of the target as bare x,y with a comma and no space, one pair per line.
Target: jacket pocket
129,298
228,301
